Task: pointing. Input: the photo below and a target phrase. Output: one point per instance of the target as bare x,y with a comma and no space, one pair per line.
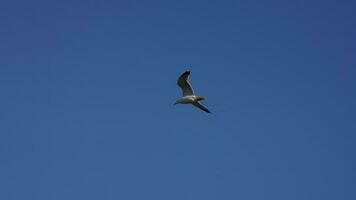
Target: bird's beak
175,103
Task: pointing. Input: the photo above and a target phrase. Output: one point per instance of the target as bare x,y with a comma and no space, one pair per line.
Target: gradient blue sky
87,87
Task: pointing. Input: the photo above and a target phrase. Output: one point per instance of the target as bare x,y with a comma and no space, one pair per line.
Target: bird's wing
201,106
183,83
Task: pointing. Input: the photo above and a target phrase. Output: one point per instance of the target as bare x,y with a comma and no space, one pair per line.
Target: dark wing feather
201,106
183,82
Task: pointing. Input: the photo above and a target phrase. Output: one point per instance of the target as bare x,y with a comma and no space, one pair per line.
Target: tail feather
201,98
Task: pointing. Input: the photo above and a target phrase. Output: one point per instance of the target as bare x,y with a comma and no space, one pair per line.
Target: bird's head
178,102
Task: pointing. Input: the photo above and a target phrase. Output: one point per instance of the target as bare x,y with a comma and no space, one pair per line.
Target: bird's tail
201,98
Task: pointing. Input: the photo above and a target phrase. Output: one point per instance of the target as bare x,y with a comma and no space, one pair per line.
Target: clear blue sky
87,91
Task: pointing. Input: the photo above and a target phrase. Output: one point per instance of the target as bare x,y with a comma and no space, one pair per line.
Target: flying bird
188,94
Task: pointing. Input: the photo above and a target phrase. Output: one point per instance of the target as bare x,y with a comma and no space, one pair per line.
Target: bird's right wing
183,82
201,106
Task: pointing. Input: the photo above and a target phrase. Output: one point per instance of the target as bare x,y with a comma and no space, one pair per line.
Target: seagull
188,94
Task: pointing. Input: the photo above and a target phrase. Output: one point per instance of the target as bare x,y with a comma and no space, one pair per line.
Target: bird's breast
187,99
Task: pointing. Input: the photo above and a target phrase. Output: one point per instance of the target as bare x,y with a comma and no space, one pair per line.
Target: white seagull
188,94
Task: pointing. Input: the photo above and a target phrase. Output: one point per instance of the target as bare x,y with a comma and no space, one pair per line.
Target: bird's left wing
201,106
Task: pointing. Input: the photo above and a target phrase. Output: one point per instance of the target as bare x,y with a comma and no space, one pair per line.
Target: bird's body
188,94
187,99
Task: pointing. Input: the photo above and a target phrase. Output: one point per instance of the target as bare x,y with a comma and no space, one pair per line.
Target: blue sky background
87,87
